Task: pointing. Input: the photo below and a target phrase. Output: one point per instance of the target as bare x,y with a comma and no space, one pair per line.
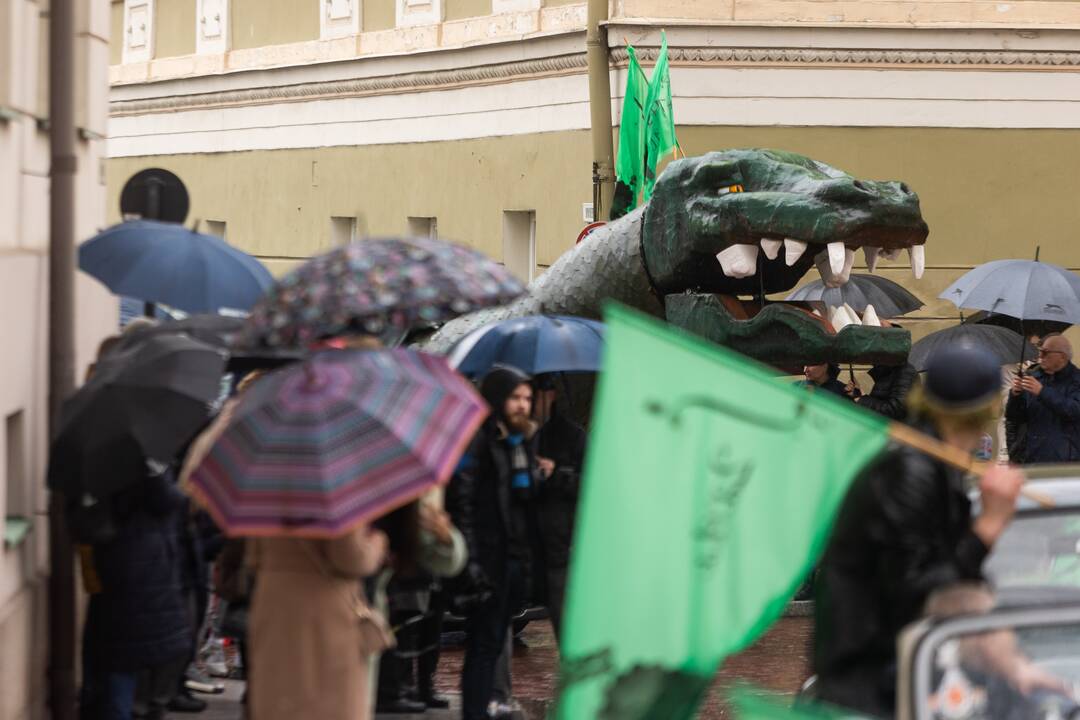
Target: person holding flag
904,531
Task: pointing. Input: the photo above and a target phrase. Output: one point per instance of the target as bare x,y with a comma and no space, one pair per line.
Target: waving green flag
709,489
659,118
630,160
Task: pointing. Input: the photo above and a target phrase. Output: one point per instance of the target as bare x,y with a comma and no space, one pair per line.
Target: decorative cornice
575,64
384,85
994,59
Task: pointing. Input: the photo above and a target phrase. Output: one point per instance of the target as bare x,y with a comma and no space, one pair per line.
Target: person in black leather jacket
892,383
905,530
492,500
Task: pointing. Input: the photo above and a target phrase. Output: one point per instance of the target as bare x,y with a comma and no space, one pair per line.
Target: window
216,227
16,500
424,227
519,243
342,230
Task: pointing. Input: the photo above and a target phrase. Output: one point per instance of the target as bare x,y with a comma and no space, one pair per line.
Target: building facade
24,276
301,124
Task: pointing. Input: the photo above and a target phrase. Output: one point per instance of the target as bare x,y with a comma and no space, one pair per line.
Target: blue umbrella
1023,289
536,344
167,263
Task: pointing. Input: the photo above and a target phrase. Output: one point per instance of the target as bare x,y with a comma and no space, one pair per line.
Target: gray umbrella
1023,289
888,298
1001,342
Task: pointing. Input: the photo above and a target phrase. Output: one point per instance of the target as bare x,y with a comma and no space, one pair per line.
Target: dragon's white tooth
793,250
838,318
771,247
836,257
738,261
849,262
824,268
890,255
869,316
852,315
917,253
871,254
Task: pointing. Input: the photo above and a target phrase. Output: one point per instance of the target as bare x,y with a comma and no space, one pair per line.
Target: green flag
659,118
709,489
630,160
752,705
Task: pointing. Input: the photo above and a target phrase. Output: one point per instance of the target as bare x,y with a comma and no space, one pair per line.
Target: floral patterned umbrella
373,285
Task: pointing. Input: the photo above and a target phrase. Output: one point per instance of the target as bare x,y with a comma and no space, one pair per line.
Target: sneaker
199,682
502,710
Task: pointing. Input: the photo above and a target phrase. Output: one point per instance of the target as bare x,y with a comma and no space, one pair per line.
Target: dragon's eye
730,189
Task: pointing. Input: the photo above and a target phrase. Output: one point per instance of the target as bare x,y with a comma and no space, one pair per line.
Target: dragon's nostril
860,185
905,189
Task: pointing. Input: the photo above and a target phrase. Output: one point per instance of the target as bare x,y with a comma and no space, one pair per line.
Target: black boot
185,702
399,705
432,699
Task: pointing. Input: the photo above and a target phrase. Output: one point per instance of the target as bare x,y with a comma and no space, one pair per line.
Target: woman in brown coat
309,652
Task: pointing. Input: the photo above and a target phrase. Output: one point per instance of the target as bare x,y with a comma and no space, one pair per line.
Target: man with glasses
1048,402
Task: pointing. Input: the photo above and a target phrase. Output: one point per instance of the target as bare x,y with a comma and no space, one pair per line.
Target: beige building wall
24,233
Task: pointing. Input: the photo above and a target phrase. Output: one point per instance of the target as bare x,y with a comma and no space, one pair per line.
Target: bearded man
492,500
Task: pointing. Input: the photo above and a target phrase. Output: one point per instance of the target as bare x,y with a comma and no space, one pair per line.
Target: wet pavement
778,662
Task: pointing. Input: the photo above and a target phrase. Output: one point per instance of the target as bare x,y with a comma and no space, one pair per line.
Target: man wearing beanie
492,500
1047,401
906,530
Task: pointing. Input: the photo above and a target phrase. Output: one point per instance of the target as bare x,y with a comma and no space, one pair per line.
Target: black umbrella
999,341
141,406
214,330
1028,327
888,298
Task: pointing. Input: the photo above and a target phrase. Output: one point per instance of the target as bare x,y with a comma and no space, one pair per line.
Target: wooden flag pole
954,456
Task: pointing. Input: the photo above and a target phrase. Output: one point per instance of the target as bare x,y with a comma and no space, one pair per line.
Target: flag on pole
709,490
630,160
659,118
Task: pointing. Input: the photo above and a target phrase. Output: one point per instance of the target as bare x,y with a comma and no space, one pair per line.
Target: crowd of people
336,628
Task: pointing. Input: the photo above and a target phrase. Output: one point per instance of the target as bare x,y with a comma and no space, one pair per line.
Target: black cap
962,377
498,383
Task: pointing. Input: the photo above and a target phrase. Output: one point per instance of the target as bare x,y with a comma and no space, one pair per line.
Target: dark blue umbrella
167,263
536,344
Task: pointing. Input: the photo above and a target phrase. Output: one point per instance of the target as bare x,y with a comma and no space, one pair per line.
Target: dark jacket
497,520
1052,419
889,394
903,531
561,440
140,618
831,385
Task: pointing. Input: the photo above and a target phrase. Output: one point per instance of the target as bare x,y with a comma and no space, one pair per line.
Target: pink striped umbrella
320,447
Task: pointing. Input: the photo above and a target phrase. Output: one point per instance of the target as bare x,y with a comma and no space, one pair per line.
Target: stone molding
575,63
981,59
212,27
138,31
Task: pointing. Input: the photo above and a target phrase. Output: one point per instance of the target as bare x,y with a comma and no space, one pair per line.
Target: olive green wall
256,23
116,30
174,28
460,9
986,194
379,15
279,203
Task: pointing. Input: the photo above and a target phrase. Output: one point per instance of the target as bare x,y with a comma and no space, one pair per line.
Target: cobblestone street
778,662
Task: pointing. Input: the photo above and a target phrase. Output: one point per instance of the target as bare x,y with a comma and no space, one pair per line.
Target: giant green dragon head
737,221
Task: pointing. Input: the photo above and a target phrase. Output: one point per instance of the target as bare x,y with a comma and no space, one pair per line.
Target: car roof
1061,483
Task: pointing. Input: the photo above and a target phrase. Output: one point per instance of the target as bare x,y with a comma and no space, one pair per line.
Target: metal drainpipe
61,343
603,150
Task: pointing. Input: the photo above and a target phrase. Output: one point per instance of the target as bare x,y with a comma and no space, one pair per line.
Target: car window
974,675
1038,551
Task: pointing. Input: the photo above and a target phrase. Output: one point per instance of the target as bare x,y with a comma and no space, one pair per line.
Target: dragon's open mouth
753,222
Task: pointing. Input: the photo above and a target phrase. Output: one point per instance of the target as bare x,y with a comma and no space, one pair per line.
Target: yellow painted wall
116,32
986,194
461,9
379,15
277,204
555,3
174,28
256,23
